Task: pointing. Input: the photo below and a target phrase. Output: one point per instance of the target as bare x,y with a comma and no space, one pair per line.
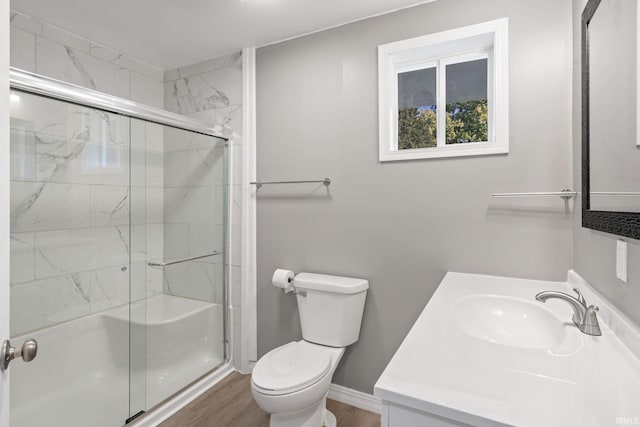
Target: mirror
611,117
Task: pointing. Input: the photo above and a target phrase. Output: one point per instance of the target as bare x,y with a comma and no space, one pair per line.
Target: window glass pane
417,122
467,108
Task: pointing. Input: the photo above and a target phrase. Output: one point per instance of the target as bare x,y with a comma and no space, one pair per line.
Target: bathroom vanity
484,352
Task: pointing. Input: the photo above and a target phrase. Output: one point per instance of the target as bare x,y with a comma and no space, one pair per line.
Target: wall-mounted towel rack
564,194
193,258
325,181
615,193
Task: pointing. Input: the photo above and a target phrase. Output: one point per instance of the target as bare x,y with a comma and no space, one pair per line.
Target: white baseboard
355,398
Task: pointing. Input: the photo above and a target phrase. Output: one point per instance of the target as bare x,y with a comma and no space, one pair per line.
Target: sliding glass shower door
118,231
70,249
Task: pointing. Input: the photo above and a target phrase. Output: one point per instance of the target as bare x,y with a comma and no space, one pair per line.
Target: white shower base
81,374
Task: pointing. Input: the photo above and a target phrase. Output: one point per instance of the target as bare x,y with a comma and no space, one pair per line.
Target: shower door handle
28,352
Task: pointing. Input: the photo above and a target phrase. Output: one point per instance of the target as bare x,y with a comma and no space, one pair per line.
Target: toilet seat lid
291,367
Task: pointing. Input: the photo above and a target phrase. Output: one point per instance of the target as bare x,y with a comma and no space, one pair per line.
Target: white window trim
497,90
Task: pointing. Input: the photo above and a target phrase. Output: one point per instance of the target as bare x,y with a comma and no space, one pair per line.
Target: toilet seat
290,368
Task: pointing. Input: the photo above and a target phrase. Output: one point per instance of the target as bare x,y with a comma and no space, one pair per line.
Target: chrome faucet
584,316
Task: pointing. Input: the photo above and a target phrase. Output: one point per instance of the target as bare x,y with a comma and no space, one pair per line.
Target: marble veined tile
191,280
66,39
147,242
216,89
42,303
22,257
155,205
155,281
72,251
78,161
201,205
204,239
232,60
109,287
155,241
176,241
154,168
180,140
230,119
21,21
56,118
23,156
23,49
37,206
127,62
109,205
154,137
66,63
206,166
209,117
176,169
147,91
235,287
190,70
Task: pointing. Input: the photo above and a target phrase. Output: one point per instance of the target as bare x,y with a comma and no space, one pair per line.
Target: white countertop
584,381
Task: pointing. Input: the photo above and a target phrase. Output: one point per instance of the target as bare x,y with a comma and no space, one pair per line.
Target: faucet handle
581,298
590,324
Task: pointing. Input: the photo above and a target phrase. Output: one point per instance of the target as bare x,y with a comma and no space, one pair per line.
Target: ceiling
172,33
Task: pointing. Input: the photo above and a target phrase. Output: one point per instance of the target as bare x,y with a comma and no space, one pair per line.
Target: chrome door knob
27,352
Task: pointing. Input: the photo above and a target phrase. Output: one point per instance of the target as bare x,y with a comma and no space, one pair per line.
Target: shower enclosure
118,267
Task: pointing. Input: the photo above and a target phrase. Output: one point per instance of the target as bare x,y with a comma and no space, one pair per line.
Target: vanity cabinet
394,415
485,353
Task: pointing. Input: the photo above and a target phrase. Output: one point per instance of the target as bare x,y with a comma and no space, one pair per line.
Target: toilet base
328,419
316,415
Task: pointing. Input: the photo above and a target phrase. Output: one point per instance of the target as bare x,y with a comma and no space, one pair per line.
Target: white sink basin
508,321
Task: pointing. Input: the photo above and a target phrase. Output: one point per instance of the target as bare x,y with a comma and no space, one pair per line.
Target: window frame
487,40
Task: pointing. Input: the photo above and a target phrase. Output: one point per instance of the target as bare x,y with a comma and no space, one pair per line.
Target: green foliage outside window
416,128
467,121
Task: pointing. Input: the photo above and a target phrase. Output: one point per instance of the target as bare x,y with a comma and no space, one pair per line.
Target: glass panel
185,219
466,98
69,263
417,121
106,212
146,243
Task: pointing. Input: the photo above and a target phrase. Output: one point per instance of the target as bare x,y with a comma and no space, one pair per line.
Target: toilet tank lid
324,282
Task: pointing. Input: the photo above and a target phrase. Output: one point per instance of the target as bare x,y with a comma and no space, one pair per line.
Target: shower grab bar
164,264
325,181
564,194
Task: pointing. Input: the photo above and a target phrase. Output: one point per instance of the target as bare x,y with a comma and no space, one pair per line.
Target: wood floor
229,403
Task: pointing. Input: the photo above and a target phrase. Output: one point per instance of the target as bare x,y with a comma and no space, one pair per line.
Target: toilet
291,382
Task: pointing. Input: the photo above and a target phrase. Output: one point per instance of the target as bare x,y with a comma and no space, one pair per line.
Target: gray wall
594,252
403,225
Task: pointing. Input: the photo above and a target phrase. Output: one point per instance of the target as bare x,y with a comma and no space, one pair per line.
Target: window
445,94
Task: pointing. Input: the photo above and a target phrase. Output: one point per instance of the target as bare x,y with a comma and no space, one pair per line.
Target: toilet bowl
291,382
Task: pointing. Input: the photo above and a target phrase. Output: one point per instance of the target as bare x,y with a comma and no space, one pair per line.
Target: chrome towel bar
164,264
325,181
564,194
615,193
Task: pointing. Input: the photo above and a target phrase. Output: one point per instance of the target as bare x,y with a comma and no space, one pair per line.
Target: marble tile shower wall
193,214
210,91
71,201
45,50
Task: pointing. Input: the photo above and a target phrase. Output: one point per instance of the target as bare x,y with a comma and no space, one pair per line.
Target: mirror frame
625,224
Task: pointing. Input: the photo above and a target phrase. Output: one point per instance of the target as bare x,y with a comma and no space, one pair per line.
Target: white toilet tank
330,308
